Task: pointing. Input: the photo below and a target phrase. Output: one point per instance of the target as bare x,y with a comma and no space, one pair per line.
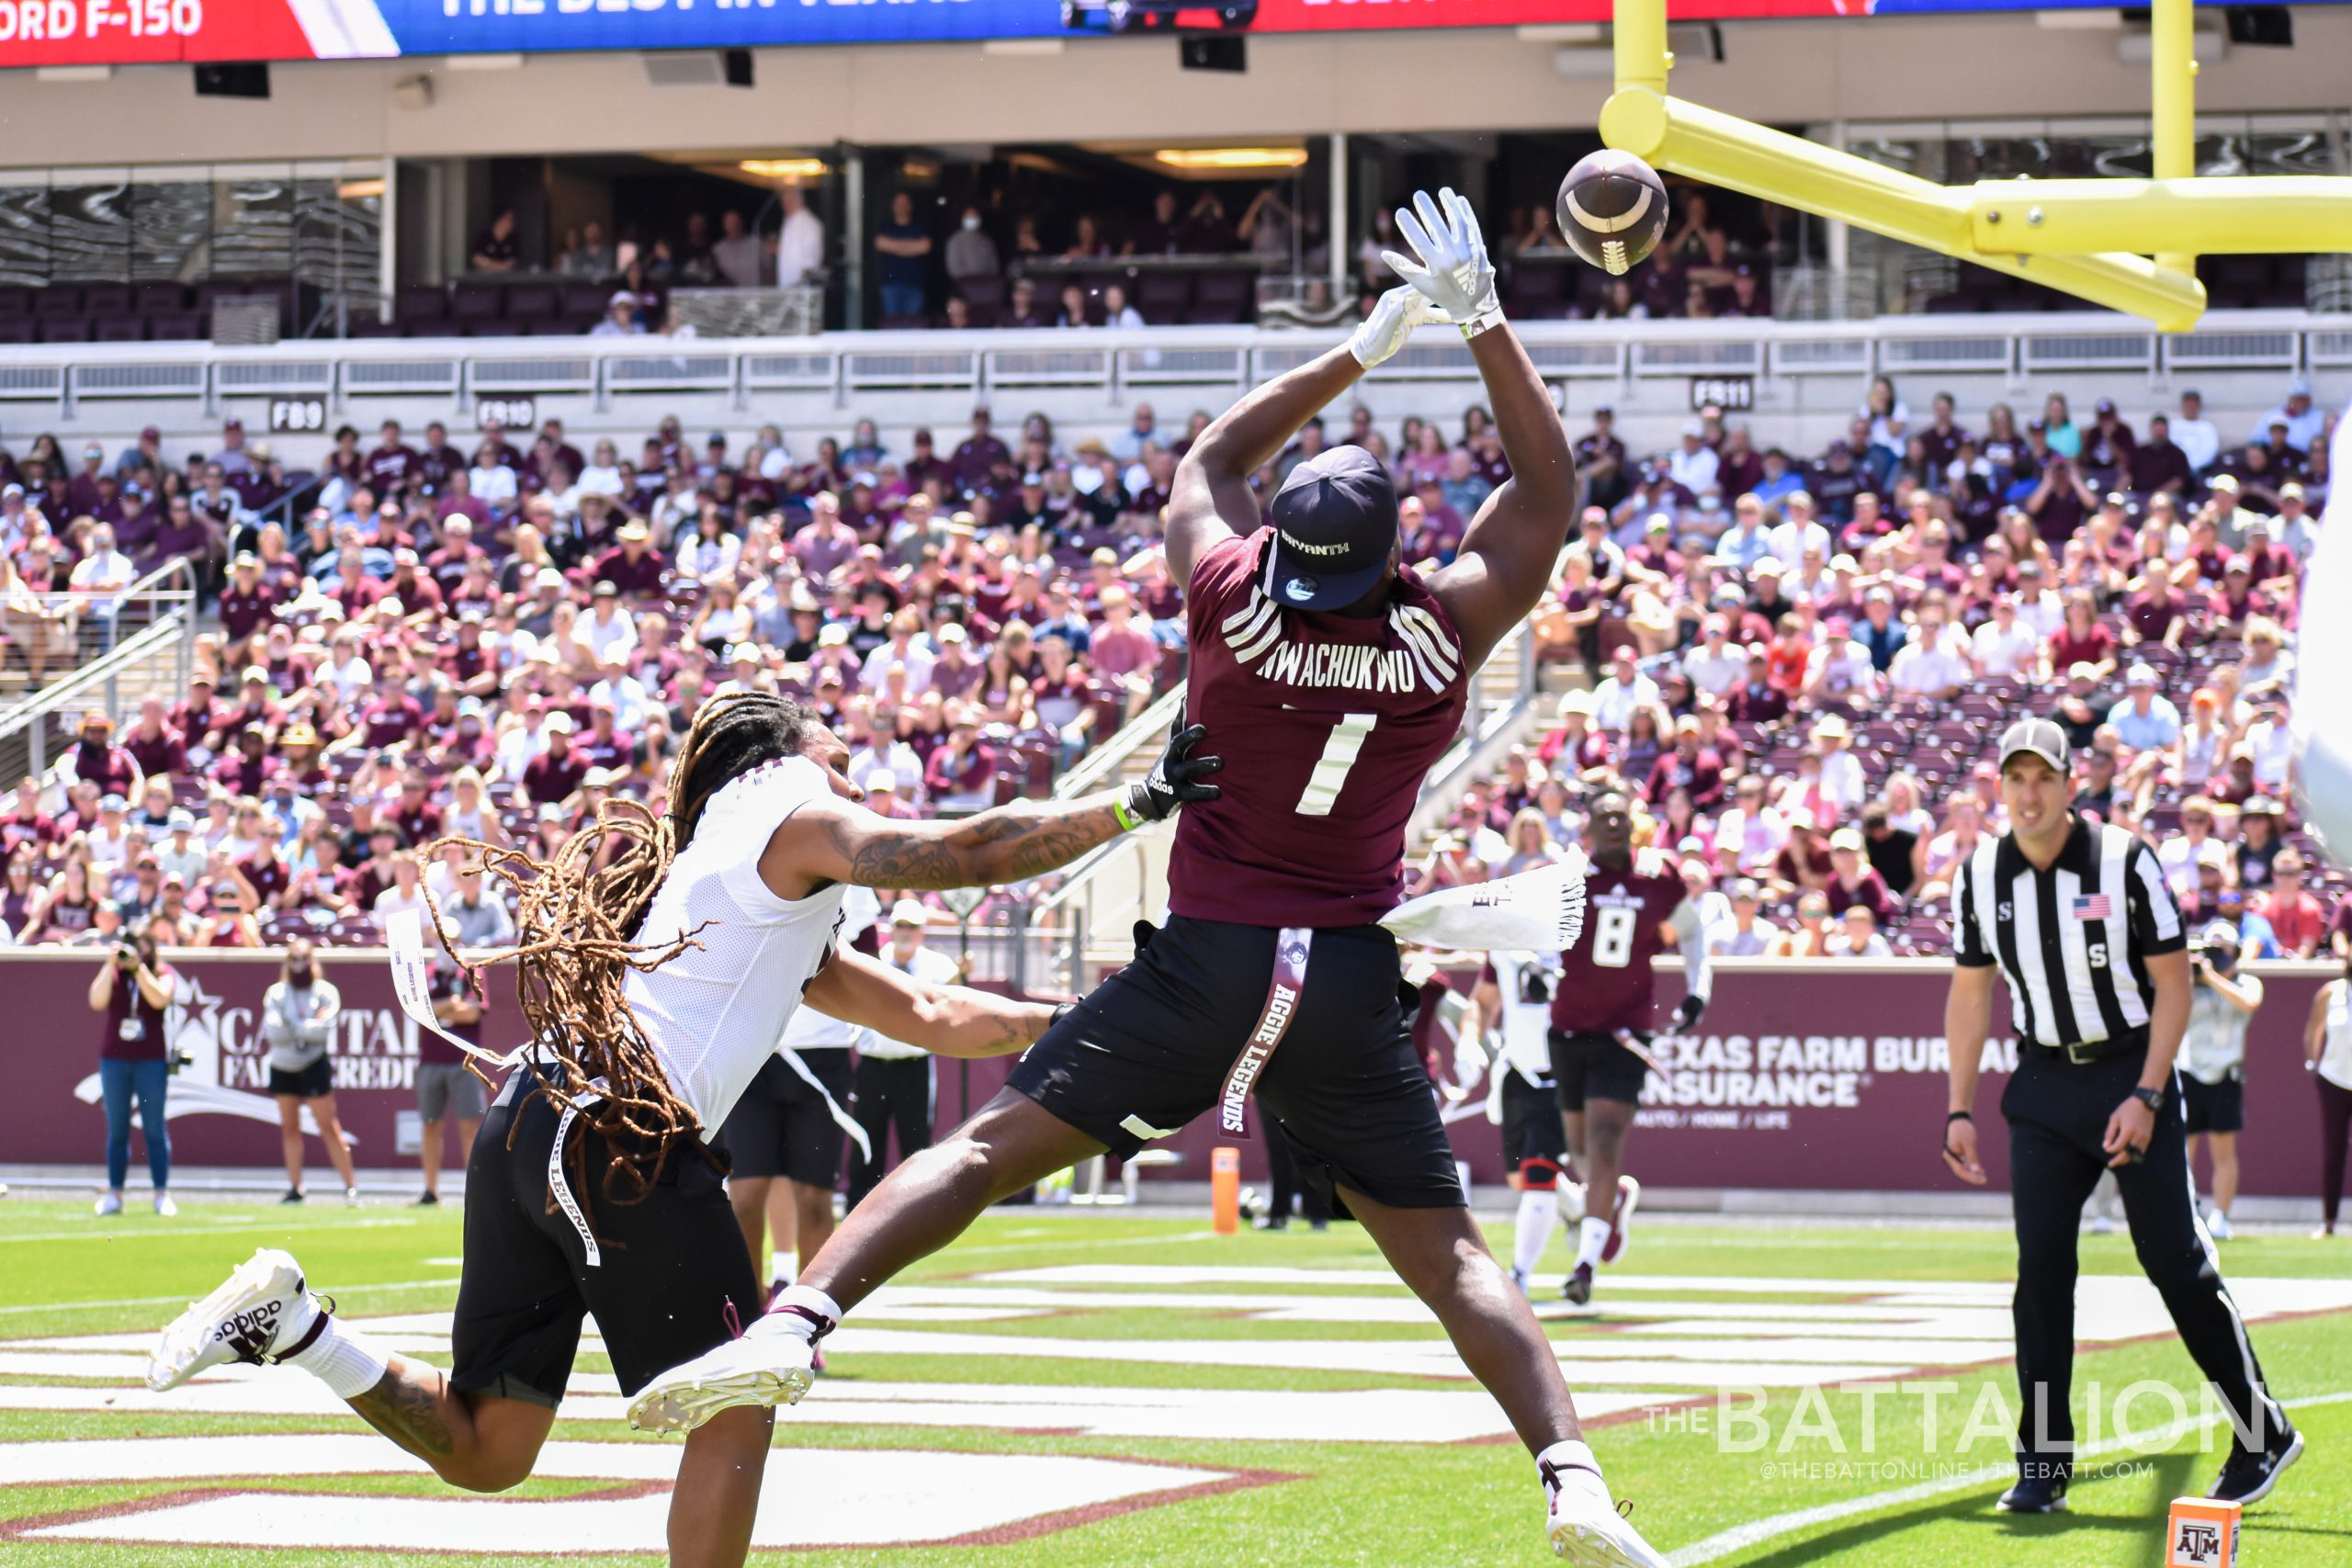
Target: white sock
783,1268
799,1310
1571,1463
1537,1210
347,1361
1593,1238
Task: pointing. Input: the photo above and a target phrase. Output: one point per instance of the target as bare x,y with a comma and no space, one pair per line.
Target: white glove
1394,316
1453,273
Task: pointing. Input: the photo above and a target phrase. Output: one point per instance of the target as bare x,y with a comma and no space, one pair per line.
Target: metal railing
1118,362
109,639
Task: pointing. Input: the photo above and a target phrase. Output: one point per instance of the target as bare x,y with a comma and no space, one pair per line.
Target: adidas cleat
262,1314
1577,1290
758,1369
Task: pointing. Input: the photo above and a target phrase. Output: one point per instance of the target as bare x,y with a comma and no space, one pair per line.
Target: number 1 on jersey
1331,769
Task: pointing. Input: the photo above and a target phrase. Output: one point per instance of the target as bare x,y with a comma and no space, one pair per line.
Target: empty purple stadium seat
420,302
117,329
1163,295
65,329
179,328
107,299
18,329
59,299
16,301
530,303
980,292
588,299
162,298
474,301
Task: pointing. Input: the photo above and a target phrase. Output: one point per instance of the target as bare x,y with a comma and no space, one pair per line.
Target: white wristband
1485,320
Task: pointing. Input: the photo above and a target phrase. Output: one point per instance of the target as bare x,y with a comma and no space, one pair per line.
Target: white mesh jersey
716,1013
1527,981
809,1030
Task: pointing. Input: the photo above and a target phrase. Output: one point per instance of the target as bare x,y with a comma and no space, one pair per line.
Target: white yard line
1740,1538
183,1300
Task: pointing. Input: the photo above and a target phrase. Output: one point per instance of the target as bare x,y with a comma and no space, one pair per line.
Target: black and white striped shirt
2072,940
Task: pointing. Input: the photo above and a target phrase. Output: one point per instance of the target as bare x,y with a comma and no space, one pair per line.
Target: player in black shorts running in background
1602,1010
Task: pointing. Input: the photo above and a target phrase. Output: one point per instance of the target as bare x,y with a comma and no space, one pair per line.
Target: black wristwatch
2154,1098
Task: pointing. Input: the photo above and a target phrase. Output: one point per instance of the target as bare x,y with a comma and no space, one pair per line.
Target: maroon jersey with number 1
1327,724
1605,979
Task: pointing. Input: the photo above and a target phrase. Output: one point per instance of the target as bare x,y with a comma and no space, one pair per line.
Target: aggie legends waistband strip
1282,992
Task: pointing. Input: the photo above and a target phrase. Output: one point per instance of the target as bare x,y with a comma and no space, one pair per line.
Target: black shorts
673,1280
1531,1129
1150,1049
781,1126
304,1083
2213,1107
1595,1067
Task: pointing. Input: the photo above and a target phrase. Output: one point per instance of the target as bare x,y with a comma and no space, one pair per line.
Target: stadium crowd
1798,663
1795,661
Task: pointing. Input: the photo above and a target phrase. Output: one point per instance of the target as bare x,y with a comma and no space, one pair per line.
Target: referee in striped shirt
2076,915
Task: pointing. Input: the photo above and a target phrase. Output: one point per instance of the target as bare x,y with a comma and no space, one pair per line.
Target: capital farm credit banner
82,33
1813,1078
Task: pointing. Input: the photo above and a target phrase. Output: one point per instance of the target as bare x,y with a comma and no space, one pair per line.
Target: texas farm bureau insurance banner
92,32
1818,1077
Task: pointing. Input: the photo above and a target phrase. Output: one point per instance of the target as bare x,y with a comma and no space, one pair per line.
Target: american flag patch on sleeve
2093,906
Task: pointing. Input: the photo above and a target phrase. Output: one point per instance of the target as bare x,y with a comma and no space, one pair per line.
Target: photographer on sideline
2222,1006
298,1018
132,988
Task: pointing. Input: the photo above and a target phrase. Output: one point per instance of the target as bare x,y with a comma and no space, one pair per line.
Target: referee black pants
2057,1113
893,1091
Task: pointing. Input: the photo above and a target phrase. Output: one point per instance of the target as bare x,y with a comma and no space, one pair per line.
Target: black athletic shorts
1595,1067
2213,1107
1150,1049
781,1126
304,1083
672,1281
1531,1128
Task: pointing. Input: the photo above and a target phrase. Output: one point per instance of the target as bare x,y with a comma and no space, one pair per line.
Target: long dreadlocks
575,916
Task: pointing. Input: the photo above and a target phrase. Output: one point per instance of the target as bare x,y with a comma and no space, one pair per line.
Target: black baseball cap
1335,526
2039,737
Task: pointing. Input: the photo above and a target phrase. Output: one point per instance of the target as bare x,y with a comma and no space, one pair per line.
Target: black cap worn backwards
1335,526
2040,737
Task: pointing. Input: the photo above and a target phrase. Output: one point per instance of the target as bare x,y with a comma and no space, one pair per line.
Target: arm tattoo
1009,844
409,1413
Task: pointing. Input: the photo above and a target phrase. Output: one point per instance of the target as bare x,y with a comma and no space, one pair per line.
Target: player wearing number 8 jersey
1335,675
1602,1021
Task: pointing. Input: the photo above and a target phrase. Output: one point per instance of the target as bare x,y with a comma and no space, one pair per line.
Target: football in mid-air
1613,210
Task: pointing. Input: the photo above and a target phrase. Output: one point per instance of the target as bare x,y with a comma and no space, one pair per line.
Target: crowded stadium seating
398,634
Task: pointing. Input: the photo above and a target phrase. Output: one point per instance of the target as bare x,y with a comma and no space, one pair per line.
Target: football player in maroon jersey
1600,1019
1333,675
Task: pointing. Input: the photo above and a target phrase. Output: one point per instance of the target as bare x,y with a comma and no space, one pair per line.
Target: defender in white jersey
1514,1003
659,962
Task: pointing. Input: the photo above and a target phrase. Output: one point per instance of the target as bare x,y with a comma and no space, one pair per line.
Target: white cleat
1629,1198
262,1313
758,1369
164,1207
1585,1528
1571,1203
2217,1226
108,1206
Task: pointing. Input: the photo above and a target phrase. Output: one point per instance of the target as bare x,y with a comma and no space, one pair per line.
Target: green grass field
1692,1304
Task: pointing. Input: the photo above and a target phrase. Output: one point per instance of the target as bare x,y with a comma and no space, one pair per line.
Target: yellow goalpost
2129,244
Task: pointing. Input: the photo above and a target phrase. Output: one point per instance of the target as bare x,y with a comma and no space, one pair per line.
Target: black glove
1693,1008
1175,779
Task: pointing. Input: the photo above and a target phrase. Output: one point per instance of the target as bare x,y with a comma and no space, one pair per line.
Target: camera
178,1057
126,956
